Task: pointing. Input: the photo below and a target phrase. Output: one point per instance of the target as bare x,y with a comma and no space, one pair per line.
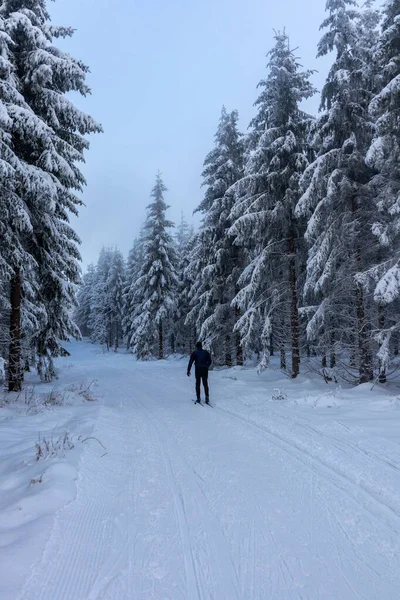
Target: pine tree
15,221
384,158
133,267
276,157
101,301
154,289
183,334
335,196
84,301
115,287
98,322
216,260
47,134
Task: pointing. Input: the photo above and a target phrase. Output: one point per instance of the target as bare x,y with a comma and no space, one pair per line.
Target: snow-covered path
249,500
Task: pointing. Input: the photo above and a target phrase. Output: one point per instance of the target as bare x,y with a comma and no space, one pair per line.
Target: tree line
297,253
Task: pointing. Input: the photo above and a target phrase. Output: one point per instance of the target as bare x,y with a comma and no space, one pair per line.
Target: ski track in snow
234,503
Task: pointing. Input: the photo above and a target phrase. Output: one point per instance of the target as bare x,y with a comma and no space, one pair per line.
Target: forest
297,252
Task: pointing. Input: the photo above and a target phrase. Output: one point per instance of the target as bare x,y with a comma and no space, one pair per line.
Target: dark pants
201,375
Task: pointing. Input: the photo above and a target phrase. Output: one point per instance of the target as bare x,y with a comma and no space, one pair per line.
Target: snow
32,490
285,490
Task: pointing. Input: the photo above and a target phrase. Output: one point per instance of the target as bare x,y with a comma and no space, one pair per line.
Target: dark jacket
201,359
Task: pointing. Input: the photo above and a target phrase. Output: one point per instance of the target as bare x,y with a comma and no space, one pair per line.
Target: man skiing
202,361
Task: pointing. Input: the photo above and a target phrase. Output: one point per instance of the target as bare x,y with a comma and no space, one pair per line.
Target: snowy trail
192,503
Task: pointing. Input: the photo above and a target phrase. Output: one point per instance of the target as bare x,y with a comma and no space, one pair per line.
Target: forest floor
283,491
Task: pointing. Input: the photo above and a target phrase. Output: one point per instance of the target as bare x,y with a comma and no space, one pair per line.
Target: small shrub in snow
83,389
86,393
54,399
279,395
52,447
37,480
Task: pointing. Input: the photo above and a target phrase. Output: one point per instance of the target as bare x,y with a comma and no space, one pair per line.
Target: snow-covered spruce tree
106,299
98,321
47,137
133,266
336,199
154,293
384,157
196,262
84,301
115,286
263,215
184,338
15,222
216,262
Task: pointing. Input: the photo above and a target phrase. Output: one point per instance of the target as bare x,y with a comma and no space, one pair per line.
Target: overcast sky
160,72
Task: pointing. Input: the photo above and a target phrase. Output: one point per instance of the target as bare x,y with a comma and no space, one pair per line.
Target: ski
203,403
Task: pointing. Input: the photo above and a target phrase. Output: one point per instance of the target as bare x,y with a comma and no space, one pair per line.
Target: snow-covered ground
284,491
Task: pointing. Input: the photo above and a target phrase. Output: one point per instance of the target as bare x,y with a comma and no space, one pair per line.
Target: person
202,361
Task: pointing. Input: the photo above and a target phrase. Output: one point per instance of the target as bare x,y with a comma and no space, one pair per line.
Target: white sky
160,72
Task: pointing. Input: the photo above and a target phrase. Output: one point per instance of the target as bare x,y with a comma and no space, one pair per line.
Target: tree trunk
173,343
353,358
116,345
239,349
110,336
323,361
161,344
332,354
365,357
365,366
294,311
228,350
381,325
193,340
14,357
283,358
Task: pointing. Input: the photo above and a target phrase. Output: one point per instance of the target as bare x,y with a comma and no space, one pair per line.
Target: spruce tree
101,301
154,289
84,301
183,333
276,157
133,266
15,221
336,199
216,261
47,135
384,158
115,287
